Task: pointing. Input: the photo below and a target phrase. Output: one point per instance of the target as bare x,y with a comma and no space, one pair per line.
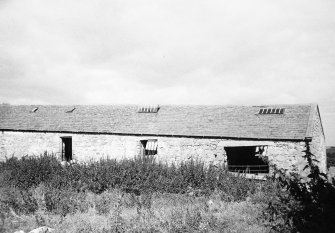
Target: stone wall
86,147
318,145
286,155
3,150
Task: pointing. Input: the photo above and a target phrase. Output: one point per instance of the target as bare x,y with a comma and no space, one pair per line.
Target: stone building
246,138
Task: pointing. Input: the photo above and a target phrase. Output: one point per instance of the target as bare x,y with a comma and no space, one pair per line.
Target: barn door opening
247,159
66,148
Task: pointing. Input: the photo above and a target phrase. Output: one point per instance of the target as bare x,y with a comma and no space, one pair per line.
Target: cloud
176,52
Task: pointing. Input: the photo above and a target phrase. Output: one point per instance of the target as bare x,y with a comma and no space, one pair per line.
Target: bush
103,204
303,206
236,187
22,202
30,171
65,201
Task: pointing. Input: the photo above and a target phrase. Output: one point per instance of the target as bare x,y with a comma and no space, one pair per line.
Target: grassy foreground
113,211
140,195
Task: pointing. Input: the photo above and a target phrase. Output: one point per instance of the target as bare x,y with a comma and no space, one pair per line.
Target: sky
213,52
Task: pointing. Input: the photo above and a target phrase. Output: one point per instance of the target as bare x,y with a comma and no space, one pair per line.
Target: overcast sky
169,52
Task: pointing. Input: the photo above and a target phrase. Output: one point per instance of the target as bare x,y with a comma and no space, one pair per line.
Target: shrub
236,187
30,171
303,206
22,202
65,201
103,204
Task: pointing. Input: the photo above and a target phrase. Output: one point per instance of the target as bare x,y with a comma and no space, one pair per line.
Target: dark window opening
247,159
149,147
66,148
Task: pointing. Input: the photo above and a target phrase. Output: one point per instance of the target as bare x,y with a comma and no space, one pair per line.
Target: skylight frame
271,111
71,111
34,110
148,109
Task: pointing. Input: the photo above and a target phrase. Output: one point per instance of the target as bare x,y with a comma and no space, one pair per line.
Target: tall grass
112,212
140,173
39,185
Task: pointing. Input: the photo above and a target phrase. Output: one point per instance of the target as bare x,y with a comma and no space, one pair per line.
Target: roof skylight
70,111
264,111
148,109
34,110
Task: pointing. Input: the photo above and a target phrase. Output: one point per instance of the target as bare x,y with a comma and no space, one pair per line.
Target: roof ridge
168,105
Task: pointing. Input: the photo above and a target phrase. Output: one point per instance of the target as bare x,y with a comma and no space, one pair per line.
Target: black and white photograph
167,116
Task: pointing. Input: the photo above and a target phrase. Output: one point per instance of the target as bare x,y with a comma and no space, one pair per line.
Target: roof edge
157,135
323,132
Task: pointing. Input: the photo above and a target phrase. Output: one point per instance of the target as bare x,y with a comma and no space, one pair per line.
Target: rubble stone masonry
284,154
318,144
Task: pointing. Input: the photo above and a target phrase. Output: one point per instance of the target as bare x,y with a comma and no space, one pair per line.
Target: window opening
66,148
149,147
247,159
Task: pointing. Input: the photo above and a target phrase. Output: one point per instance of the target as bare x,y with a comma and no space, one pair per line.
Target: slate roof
171,120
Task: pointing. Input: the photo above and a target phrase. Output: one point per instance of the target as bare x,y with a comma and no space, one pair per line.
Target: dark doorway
245,159
66,148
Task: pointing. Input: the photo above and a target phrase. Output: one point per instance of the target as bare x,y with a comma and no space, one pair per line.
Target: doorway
246,159
66,148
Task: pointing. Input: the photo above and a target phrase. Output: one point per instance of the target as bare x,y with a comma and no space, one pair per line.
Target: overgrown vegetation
129,196
141,173
302,205
41,186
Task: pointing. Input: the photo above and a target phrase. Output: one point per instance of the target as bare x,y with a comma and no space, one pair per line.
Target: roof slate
171,120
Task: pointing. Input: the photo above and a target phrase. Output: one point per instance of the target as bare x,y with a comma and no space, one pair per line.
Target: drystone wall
285,155
288,156
318,145
86,147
